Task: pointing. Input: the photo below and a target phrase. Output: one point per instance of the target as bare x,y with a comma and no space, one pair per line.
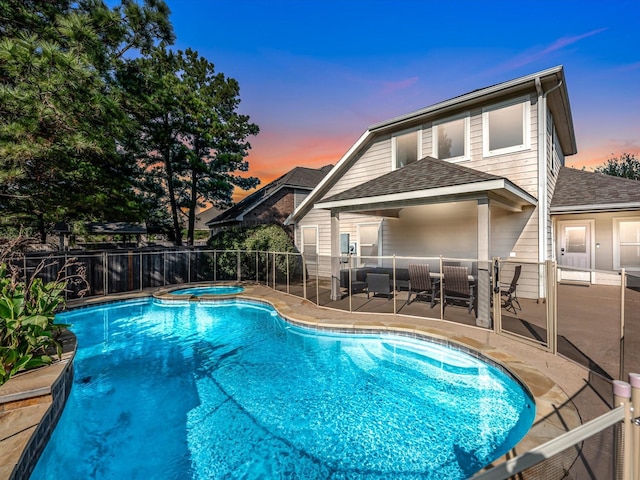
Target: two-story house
471,177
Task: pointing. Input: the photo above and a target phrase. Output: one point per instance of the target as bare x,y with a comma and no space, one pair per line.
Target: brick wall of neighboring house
273,210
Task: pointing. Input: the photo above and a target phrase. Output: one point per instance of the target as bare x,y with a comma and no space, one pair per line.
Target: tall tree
60,111
191,138
627,165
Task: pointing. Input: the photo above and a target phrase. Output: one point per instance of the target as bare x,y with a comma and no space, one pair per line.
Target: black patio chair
421,284
378,283
510,299
457,286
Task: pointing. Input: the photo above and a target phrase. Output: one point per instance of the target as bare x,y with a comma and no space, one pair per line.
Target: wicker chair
421,284
457,286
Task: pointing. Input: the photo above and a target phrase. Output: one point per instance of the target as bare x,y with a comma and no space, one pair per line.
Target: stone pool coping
31,403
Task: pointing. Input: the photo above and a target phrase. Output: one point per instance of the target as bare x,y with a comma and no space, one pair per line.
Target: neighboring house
273,203
472,177
204,217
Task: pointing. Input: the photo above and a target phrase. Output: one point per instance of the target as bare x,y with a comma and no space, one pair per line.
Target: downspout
542,175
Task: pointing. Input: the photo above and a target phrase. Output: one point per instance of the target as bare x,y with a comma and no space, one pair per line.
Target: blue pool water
208,390
212,290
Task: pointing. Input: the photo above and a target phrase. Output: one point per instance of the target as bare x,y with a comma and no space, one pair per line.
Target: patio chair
378,283
421,283
510,301
457,286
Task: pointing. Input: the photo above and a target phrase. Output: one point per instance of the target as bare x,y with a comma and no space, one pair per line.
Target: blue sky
315,74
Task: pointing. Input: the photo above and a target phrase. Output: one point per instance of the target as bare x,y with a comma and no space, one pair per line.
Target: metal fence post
141,277
105,273
634,381
188,266
623,286
304,276
238,267
66,292
395,309
287,258
622,397
552,305
257,268
349,288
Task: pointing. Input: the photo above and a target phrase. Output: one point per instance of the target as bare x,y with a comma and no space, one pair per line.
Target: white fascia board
596,208
433,192
328,177
467,98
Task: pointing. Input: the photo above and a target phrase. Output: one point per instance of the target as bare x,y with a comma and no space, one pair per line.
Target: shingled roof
580,190
426,174
299,177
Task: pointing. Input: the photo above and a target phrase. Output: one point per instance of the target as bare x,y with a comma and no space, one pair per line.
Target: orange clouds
270,158
597,155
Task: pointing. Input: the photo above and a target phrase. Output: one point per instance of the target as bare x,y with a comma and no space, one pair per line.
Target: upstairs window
406,148
506,127
451,138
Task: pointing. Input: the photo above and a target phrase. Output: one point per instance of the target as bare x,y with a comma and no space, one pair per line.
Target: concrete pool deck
563,390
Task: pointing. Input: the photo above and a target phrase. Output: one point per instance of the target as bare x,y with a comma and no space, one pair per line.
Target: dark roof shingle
425,174
580,188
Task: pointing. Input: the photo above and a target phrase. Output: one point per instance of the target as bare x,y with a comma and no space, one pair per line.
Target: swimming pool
227,389
209,290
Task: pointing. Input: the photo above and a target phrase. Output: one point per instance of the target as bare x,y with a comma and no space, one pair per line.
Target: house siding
299,196
374,162
448,229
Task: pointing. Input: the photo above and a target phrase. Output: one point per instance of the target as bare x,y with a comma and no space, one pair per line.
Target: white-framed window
506,127
626,243
369,243
310,243
451,138
406,148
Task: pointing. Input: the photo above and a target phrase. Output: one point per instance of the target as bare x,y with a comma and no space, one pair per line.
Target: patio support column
335,255
483,293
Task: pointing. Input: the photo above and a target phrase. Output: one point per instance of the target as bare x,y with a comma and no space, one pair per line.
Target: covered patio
439,208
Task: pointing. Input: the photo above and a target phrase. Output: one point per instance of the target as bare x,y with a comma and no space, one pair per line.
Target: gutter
542,173
595,208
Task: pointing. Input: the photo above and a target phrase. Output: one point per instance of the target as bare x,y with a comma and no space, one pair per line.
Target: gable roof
300,178
428,179
581,191
551,81
205,216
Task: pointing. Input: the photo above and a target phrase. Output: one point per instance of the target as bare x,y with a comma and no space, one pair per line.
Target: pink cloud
629,68
533,55
391,87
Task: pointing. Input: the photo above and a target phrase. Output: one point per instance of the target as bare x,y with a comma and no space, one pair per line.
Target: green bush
262,238
27,331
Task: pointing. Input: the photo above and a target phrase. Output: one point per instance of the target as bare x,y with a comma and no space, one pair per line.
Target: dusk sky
315,74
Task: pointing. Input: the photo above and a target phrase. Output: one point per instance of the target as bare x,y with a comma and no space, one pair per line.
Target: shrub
28,334
262,238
